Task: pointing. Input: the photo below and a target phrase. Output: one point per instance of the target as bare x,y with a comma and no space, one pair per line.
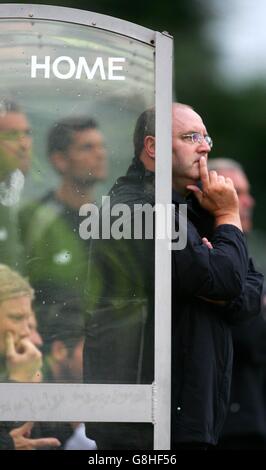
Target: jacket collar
177,198
138,169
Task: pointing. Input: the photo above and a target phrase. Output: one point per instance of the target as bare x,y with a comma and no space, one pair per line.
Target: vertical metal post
163,103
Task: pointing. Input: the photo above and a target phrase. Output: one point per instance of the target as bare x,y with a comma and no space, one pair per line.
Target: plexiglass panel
71,176
76,247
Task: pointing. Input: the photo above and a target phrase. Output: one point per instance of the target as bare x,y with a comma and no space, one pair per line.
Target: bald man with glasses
213,286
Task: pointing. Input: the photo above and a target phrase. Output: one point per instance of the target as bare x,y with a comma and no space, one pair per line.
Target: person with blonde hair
20,359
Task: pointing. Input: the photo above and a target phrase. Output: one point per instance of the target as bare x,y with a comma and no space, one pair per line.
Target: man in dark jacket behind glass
214,285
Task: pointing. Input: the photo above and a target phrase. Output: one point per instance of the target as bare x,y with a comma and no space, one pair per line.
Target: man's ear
59,351
59,162
149,146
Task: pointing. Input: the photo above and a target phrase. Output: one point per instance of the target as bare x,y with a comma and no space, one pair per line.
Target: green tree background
236,118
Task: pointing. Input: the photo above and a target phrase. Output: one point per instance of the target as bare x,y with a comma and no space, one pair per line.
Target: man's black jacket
202,345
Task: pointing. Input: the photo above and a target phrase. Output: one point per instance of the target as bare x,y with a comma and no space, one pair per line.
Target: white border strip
76,402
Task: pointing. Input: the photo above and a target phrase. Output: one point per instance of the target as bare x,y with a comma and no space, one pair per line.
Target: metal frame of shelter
99,402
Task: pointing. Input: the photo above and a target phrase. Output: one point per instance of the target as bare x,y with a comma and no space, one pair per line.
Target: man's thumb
26,428
196,190
10,344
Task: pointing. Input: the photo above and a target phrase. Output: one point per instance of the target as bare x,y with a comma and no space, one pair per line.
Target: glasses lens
208,139
196,138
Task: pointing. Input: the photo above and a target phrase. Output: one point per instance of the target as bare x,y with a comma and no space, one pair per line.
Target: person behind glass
213,286
119,343
63,335
15,161
50,227
245,426
20,359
